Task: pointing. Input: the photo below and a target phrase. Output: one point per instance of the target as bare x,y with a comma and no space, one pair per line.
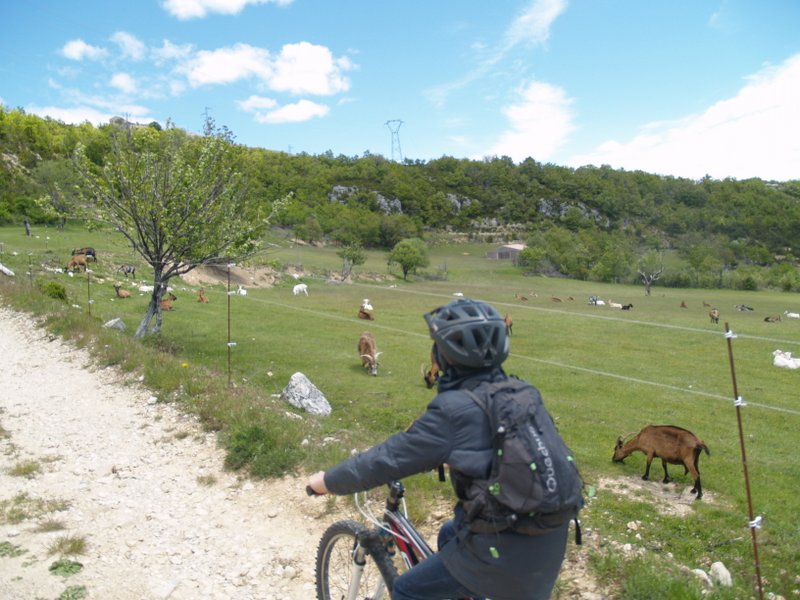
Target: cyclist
470,343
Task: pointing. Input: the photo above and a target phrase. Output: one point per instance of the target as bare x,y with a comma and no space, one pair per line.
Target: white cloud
303,110
130,45
533,24
309,69
195,9
299,69
227,65
755,133
539,123
257,103
124,82
75,115
169,52
78,50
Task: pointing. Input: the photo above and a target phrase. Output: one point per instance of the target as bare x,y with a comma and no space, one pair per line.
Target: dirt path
144,487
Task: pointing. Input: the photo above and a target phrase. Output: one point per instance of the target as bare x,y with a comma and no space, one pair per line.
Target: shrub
54,290
270,450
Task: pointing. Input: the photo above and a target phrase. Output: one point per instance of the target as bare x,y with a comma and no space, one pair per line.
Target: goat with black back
673,445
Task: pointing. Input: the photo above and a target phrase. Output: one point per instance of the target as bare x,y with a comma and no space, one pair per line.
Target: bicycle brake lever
310,491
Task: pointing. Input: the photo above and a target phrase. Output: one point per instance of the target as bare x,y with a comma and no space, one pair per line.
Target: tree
60,183
651,266
177,198
352,255
410,254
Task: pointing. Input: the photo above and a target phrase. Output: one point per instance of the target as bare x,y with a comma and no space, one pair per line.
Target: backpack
534,485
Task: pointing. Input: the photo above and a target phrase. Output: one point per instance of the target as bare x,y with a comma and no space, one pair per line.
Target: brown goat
364,314
673,445
120,292
76,262
509,323
201,297
772,319
166,303
368,352
431,376
714,315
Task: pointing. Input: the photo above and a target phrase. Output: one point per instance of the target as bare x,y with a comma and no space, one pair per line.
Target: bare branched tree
650,269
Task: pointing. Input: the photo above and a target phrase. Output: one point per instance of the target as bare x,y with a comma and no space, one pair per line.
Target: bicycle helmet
469,334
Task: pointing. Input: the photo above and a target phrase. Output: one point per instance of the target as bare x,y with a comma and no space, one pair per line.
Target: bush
269,451
54,290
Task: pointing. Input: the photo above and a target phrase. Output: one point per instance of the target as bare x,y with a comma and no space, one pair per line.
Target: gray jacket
455,430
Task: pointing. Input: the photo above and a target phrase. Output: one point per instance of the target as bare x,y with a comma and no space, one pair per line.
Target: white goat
300,288
614,304
365,304
784,360
791,315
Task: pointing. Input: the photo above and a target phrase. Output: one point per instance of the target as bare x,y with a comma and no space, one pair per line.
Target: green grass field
602,372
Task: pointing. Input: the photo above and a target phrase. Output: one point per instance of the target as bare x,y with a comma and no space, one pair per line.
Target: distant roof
515,246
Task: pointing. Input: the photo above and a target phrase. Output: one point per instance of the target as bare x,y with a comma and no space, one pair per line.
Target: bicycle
356,562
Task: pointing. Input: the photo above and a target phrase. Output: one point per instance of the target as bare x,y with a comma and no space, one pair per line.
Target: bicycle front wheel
347,571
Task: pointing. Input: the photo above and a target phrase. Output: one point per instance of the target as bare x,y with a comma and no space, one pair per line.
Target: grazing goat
300,288
120,292
368,352
519,297
706,304
127,270
509,323
627,306
673,445
76,262
431,376
683,304
201,296
791,315
784,360
88,252
772,318
714,315
364,314
166,303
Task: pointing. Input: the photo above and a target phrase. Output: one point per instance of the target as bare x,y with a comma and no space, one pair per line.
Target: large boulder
303,394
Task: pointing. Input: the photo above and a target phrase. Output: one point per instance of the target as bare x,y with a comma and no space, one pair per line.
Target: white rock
721,575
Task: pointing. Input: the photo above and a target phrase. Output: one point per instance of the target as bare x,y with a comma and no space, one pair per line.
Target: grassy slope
602,372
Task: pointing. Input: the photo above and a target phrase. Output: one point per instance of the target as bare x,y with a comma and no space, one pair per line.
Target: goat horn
628,435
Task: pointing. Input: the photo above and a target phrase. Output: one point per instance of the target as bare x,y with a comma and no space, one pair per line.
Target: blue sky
676,87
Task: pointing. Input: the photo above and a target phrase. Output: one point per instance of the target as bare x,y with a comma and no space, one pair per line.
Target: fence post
754,523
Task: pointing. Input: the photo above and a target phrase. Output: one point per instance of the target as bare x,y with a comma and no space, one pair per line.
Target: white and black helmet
469,333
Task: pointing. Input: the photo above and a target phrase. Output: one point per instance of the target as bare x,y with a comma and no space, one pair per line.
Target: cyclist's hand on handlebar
316,484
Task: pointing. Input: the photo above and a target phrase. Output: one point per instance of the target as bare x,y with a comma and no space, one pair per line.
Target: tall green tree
178,199
410,254
352,255
60,183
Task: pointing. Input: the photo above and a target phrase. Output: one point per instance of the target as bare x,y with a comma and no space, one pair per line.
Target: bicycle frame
394,530
391,533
